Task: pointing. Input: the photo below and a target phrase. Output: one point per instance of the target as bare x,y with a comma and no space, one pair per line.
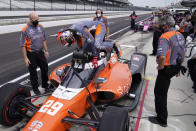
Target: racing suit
91,43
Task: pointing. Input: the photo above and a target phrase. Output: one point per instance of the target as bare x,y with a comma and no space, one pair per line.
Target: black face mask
35,23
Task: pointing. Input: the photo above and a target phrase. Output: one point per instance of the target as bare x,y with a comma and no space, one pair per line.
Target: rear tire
10,95
114,119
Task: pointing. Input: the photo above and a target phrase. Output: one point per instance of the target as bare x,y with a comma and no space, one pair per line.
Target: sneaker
36,91
154,120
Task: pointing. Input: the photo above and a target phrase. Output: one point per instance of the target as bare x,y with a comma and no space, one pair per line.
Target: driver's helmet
66,38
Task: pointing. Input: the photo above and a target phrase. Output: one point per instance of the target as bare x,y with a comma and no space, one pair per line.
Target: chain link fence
66,5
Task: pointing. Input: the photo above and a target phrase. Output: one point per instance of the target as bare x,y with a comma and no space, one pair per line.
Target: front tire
10,96
114,119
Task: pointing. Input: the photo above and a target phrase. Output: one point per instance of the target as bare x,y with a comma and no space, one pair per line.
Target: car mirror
59,72
100,80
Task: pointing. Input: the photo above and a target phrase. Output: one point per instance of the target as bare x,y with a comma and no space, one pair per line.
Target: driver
79,33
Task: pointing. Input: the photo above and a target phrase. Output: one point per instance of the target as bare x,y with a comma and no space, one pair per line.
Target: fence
77,5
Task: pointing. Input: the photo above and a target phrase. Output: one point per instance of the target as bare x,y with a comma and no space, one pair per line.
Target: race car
77,89
145,25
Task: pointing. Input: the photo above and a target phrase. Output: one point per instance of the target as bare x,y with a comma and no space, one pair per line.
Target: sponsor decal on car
35,125
66,93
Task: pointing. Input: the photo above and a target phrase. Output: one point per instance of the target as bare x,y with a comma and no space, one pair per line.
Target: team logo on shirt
31,31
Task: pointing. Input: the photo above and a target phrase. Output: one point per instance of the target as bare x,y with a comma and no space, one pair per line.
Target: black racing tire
10,95
114,119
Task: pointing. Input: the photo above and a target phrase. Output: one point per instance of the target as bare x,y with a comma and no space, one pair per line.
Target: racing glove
95,62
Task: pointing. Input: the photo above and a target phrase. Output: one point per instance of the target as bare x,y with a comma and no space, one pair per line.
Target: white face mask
98,15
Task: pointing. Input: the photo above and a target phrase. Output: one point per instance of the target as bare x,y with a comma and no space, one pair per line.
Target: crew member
35,51
170,55
133,19
100,17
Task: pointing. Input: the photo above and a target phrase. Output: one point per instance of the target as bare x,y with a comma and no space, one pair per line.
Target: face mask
35,23
98,15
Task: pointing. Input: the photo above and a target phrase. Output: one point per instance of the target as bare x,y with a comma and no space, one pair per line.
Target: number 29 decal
51,107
